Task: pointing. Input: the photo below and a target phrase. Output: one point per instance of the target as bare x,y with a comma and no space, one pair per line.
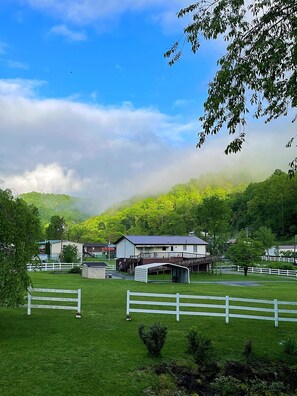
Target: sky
90,107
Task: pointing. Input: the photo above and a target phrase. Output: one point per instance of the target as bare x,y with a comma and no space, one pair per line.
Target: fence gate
32,297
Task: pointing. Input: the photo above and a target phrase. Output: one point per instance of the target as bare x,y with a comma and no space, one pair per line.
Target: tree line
216,212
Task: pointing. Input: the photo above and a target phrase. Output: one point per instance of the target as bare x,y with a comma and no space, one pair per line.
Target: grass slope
53,353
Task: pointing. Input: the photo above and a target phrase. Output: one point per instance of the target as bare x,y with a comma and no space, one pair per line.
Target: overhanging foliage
258,69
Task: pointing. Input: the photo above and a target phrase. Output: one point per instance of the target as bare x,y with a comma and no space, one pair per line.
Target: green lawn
53,353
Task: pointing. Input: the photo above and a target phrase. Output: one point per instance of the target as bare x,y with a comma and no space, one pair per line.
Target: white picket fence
52,266
227,307
278,258
32,297
60,266
269,271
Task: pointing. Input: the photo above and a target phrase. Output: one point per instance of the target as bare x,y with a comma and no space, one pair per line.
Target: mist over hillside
71,208
77,209
269,202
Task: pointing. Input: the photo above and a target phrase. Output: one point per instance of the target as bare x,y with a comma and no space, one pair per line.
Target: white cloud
64,31
64,146
16,64
3,47
181,103
60,146
10,63
19,87
47,178
88,11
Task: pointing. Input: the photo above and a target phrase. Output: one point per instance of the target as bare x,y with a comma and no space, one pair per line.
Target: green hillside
215,205
168,214
56,204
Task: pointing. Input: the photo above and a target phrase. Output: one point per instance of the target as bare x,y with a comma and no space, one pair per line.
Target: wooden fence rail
227,307
32,297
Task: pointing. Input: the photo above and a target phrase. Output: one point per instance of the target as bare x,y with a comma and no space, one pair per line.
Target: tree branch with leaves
258,70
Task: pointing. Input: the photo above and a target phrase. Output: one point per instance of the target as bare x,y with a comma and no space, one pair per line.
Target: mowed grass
53,353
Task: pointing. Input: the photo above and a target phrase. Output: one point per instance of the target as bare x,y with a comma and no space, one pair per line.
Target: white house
56,248
160,246
282,250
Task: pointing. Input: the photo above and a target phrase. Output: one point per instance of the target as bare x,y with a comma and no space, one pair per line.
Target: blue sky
90,107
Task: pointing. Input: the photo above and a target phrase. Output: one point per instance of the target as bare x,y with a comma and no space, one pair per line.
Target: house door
171,248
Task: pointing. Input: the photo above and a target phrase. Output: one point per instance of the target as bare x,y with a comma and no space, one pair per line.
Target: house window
164,248
185,247
195,248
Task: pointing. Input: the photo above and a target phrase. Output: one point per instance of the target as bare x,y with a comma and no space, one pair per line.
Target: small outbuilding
179,273
94,270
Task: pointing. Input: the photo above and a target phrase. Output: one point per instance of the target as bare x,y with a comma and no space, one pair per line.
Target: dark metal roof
163,240
95,264
95,244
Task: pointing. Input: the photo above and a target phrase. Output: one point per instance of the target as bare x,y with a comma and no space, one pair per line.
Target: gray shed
94,270
180,274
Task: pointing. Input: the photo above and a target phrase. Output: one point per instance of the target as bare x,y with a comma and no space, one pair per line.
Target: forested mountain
216,207
213,207
173,213
56,204
271,203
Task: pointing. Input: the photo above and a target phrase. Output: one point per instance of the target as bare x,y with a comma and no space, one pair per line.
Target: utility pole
295,240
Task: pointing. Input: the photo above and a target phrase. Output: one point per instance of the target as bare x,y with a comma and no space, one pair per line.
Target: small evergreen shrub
248,349
153,338
199,346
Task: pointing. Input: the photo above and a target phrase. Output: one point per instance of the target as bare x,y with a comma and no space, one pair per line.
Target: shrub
153,338
290,345
248,349
199,346
75,270
228,385
258,387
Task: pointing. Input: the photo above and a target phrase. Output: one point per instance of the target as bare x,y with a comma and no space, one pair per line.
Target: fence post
79,300
29,301
275,313
227,309
128,302
177,307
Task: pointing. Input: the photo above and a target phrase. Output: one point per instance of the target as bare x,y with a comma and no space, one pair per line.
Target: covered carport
179,273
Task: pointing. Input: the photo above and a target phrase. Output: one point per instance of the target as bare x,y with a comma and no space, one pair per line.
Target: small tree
70,254
244,252
213,215
154,338
56,228
266,237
